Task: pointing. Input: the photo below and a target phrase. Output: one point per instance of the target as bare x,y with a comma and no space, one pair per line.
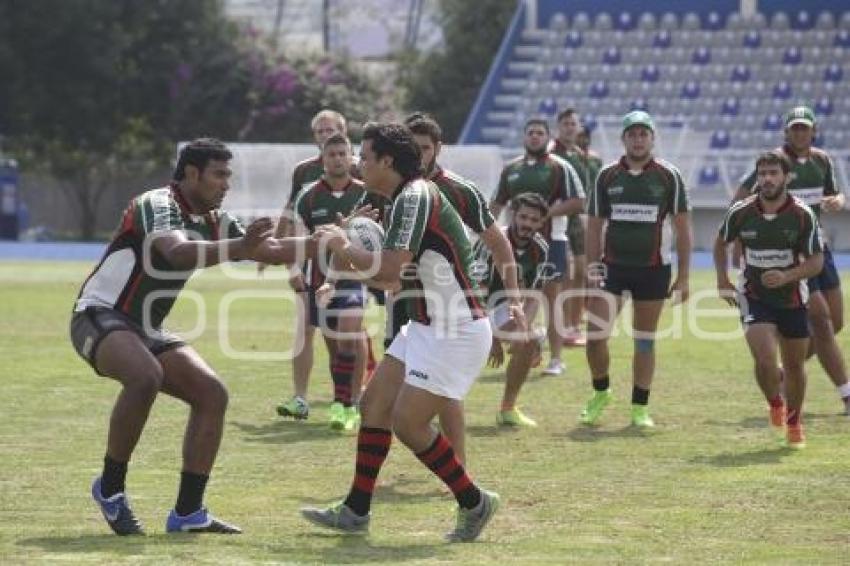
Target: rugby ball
365,233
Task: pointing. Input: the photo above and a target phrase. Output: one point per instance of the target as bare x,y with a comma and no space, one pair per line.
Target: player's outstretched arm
721,267
503,258
680,290
182,253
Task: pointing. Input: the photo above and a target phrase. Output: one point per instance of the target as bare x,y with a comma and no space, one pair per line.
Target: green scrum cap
638,118
800,115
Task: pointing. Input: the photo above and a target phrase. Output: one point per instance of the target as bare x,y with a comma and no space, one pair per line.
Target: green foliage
91,90
445,83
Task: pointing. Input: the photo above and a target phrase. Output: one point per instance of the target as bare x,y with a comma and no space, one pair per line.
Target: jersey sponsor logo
513,177
319,212
769,259
749,234
634,212
809,195
416,373
618,190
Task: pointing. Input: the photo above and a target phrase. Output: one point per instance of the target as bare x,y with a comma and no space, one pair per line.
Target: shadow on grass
761,421
401,490
741,459
595,434
107,542
286,432
359,549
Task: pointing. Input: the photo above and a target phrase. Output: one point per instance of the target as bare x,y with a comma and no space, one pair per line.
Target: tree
446,82
95,92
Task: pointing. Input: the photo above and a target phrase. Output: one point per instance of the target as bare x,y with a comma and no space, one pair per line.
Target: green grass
710,485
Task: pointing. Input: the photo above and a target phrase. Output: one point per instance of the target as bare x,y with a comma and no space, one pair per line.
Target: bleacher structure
718,75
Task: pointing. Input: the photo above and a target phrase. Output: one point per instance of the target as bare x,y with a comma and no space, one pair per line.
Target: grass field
710,485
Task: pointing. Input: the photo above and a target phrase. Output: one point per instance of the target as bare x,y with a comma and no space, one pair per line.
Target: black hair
424,125
531,200
199,153
774,158
536,122
396,141
566,112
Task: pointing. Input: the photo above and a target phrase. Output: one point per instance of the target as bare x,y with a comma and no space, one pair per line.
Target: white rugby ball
365,233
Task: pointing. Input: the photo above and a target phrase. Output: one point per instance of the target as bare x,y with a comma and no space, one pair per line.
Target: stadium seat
561,73
646,21
581,21
782,90
573,39
599,89
842,37
625,21
650,73
740,74
547,106
823,107
639,104
701,56
719,139
713,21
780,21
825,21
558,22
731,106
611,56
752,39
792,56
662,39
691,21
690,90
833,73
803,20
844,22
772,122
669,21
589,121
709,175
603,22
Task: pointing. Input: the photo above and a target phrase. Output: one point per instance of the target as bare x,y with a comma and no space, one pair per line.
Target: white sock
844,390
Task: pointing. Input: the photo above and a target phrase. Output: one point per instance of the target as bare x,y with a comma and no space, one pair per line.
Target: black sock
601,383
640,396
112,479
191,493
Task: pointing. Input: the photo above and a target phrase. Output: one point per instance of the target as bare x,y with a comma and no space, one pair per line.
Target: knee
146,384
215,396
821,324
838,322
765,364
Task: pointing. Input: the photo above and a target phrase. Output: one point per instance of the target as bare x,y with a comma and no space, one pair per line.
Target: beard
536,152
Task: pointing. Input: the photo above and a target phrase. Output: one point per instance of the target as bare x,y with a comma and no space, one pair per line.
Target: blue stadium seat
650,74
625,21
603,22
581,21
752,39
740,74
709,175
792,56
599,89
823,107
772,123
639,104
561,73
573,39
690,90
803,20
558,22
663,39
719,139
691,21
844,22
833,73
701,56
547,106
612,56
780,21
731,106
589,121
842,38
714,21
782,90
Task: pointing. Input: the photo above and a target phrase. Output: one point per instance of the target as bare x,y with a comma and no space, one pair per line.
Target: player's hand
727,292
774,278
256,233
497,354
516,314
832,203
331,236
261,267
324,294
680,290
297,281
367,211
